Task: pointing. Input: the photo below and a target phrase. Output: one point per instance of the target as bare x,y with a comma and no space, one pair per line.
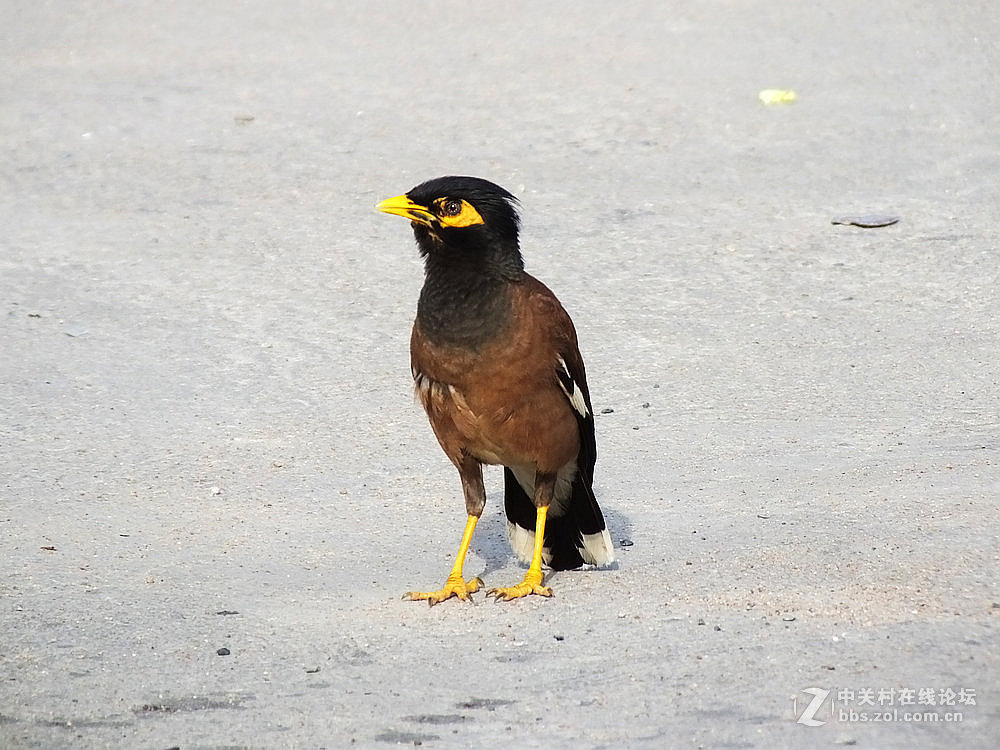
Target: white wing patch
569,387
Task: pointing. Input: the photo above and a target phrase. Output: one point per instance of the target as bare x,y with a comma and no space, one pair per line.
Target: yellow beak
403,206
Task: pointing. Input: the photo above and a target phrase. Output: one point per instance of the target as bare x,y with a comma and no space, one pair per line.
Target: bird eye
451,207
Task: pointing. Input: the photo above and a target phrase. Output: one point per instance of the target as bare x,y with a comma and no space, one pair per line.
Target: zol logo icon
808,715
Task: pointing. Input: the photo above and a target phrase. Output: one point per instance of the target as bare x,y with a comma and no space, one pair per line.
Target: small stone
607,411
788,618
223,651
625,542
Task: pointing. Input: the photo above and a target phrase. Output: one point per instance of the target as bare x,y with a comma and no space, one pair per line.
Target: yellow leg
532,583
456,585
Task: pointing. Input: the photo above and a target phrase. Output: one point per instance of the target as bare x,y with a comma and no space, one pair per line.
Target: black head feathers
463,222
496,206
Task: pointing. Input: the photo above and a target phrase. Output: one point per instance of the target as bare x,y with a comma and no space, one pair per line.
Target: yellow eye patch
455,212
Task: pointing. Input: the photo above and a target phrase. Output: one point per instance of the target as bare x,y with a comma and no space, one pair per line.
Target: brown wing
568,367
577,533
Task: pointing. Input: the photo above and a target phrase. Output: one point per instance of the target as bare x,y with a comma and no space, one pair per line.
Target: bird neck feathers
465,304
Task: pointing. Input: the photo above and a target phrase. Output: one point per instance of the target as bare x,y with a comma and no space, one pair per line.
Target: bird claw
454,586
532,584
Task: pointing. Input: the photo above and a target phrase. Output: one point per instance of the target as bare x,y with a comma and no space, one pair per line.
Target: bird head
459,213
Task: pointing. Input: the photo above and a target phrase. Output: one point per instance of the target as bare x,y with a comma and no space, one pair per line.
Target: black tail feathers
576,536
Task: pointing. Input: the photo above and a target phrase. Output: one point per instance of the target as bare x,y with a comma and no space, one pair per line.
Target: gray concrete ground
209,439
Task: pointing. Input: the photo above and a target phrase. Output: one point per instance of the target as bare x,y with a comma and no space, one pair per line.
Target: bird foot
532,584
454,586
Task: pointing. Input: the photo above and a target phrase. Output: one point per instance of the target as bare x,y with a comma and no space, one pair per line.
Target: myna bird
496,365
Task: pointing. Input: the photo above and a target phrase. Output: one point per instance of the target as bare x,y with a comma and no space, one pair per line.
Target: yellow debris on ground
776,96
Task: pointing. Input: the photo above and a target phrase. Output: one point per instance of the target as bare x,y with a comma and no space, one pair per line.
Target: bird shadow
491,543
